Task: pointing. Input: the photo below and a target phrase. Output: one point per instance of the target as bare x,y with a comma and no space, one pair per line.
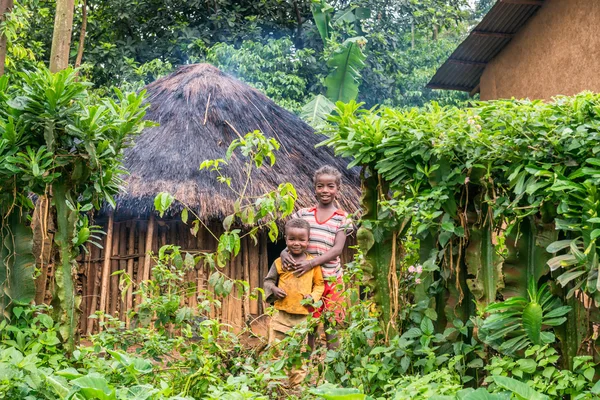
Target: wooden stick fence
126,247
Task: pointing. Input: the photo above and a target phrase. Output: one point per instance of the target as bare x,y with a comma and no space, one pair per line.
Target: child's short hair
297,223
328,170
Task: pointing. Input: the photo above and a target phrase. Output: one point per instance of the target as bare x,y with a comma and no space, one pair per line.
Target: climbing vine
487,191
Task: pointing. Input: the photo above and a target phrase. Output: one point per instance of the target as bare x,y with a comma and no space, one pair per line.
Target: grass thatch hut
200,111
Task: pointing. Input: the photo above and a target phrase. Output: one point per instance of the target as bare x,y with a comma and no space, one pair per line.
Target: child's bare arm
331,254
287,260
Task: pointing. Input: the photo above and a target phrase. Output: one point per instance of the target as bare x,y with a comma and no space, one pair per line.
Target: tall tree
6,7
82,34
61,38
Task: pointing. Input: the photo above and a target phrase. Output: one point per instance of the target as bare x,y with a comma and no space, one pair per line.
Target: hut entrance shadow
274,250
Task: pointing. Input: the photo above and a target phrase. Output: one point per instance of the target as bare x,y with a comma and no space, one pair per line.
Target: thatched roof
197,108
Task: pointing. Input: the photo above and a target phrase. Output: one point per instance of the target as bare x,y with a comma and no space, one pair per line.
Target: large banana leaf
346,64
322,15
315,112
485,265
16,263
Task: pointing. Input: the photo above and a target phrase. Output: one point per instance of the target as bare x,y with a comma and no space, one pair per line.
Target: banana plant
519,322
345,61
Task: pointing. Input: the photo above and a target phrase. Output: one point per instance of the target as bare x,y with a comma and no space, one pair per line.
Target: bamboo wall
129,241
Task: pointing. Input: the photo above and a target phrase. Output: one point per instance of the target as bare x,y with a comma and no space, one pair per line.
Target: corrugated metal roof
463,69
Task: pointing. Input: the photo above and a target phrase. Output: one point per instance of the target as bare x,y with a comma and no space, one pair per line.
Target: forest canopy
274,45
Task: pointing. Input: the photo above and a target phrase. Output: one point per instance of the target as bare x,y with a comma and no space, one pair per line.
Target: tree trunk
298,40
6,7
82,34
65,300
61,38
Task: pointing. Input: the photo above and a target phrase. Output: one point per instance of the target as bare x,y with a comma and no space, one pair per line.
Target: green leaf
322,15
273,231
94,386
596,388
184,215
566,277
532,322
162,202
330,392
589,373
228,221
558,246
316,111
522,390
59,385
427,326
527,365
346,63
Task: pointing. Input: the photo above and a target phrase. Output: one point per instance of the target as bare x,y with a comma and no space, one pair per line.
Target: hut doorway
274,250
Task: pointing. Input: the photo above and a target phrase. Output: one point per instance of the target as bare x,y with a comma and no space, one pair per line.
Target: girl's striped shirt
322,236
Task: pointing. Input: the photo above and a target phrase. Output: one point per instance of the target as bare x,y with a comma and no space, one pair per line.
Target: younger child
329,227
288,290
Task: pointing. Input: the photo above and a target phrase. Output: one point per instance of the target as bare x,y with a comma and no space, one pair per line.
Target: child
329,227
288,290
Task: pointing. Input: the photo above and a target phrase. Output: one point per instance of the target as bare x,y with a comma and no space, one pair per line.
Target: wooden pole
264,264
246,276
122,267
84,277
106,265
94,299
114,280
90,277
130,250
254,266
141,251
148,247
201,241
237,306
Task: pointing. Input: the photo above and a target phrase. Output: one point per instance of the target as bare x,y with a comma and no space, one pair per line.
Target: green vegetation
477,273
57,143
488,193
284,48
